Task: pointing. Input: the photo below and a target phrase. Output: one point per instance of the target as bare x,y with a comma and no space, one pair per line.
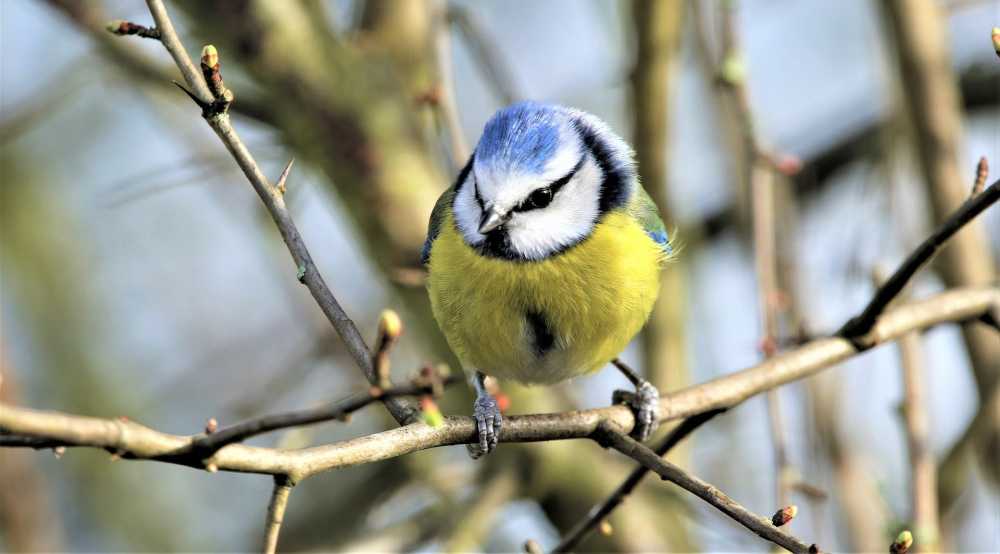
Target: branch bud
902,544
389,329
734,69
784,515
605,528
982,170
532,547
995,35
209,56
211,425
389,325
117,26
430,412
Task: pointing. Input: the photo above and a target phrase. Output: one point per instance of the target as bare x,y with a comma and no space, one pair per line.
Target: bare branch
206,445
135,441
601,511
861,324
218,120
276,512
608,436
121,27
487,54
170,41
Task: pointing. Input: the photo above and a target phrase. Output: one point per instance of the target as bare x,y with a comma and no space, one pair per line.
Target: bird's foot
645,404
486,412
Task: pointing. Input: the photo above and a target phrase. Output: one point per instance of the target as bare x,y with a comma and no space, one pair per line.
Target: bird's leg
486,412
645,401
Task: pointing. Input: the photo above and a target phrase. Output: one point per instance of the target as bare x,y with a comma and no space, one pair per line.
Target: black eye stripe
475,192
554,187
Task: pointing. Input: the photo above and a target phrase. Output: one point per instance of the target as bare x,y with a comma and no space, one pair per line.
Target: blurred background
140,276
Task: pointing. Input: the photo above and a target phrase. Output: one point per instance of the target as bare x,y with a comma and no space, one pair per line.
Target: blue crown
522,137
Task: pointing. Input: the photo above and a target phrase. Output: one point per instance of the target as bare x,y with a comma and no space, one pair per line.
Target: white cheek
468,213
567,220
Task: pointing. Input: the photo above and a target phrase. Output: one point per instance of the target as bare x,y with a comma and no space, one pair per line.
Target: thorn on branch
280,185
902,543
784,515
204,107
121,28
982,172
531,546
995,35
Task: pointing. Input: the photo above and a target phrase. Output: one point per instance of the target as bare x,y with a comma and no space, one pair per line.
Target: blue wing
644,210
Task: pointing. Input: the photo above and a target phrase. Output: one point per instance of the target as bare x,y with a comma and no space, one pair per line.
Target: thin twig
609,436
923,468
122,27
273,200
208,444
170,41
486,52
447,106
600,512
276,512
762,165
858,326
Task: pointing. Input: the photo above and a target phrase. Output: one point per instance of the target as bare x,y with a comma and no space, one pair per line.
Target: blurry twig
447,105
475,520
608,436
600,512
276,512
855,329
762,165
923,470
486,52
206,445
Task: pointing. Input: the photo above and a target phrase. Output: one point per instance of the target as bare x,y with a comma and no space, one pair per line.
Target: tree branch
861,324
601,511
276,512
273,200
608,436
206,445
135,441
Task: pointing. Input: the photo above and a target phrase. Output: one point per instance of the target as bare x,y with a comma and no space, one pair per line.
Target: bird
543,258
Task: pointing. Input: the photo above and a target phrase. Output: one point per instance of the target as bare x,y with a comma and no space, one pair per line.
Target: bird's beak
491,220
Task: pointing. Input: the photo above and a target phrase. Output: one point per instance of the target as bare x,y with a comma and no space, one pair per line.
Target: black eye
538,199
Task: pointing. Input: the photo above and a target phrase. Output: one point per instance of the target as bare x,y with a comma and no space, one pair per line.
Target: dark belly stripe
542,337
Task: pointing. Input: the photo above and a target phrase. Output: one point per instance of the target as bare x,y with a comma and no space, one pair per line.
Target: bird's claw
486,412
645,404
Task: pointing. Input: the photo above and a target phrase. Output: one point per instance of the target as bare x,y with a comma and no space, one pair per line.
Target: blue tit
544,257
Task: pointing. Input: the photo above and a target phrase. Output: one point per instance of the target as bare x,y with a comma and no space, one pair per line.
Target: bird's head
539,180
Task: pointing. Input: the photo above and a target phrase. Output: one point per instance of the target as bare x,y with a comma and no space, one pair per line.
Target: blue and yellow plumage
544,257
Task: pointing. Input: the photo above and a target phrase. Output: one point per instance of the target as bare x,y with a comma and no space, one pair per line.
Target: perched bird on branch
544,257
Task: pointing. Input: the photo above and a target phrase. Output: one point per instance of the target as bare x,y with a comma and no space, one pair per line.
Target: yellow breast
594,298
